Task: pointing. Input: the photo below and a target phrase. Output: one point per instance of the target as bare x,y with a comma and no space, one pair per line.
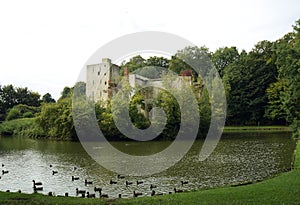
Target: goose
54,172
80,191
128,183
37,188
136,194
86,182
75,178
4,172
153,186
153,193
103,195
37,183
184,182
139,182
112,182
97,189
88,195
177,190
120,176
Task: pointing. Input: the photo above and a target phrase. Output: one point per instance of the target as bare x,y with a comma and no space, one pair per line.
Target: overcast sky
44,44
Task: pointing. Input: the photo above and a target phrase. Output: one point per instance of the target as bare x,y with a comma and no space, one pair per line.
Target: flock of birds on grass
38,186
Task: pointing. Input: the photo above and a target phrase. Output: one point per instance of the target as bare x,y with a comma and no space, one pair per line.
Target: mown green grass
282,189
229,129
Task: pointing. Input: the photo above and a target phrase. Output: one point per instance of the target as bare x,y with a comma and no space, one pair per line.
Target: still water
239,157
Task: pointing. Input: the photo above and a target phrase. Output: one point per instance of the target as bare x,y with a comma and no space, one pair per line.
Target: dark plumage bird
2,165
97,189
139,182
74,168
153,193
35,188
80,191
75,178
112,182
50,165
4,172
88,195
128,183
177,190
153,186
50,193
66,194
103,195
86,182
184,182
136,194
120,196
120,176
36,183
54,172
19,191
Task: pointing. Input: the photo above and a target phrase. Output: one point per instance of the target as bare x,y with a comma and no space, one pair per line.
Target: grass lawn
229,129
282,189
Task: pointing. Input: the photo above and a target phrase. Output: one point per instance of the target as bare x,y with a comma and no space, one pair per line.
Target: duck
184,182
74,168
86,182
120,196
177,190
50,165
103,195
153,186
80,191
37,183
4,172
128,183
37,188
120,176
136,194
2,165
66,194
97,189
50,193
54,172
139,182
112,182
75,178
153,193
88,195
19,191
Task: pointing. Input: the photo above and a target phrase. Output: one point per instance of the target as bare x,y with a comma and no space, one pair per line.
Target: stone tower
101,80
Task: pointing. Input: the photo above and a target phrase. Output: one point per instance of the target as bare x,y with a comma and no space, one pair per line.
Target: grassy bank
282,189
16,126
229,129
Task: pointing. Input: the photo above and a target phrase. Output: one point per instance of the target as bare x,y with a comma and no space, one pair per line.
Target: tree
11,96
47,98
223,57
288,63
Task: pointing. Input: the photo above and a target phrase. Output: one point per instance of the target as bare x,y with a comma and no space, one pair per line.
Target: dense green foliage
11,96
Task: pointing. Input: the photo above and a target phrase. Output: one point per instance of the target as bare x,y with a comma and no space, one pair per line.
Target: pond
238,158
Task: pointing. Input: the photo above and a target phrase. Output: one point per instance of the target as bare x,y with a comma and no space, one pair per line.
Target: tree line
262,88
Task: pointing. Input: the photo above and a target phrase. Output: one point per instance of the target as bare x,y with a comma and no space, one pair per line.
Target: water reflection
237,158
